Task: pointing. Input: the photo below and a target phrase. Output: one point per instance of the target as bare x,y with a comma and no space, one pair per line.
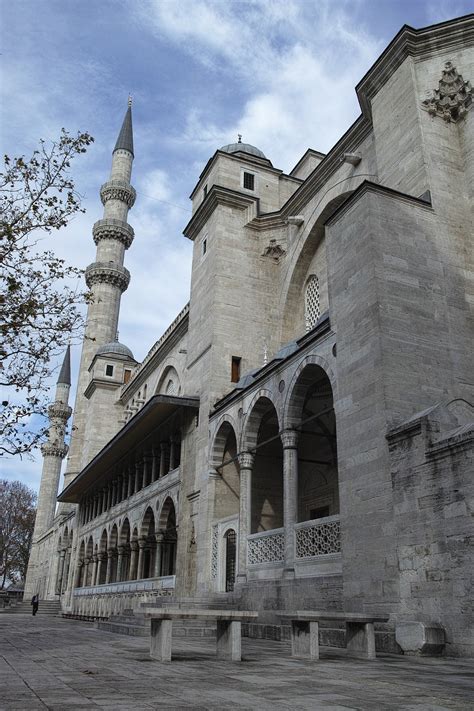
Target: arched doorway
168,539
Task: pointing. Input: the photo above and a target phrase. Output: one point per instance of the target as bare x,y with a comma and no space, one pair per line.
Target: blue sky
282,73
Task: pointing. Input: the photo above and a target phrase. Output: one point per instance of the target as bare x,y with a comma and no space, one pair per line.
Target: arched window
311,302
171,387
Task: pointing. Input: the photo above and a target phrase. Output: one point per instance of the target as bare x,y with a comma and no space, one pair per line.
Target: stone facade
301,435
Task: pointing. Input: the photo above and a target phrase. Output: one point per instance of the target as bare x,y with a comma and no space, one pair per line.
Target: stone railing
318,537
131,586
266,547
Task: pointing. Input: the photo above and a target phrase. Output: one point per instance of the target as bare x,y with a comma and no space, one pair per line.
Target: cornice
108,273
410,42
368,187
218,195
160,349
113,229
101,383
118,190
247,157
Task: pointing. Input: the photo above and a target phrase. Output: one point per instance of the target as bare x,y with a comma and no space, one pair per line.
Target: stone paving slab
50,663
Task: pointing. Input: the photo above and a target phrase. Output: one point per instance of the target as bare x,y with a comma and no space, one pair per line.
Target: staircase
50,608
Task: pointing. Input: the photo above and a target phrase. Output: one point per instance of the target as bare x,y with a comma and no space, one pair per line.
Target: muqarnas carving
452,99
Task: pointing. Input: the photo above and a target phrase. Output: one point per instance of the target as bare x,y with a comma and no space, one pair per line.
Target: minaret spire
65,372
107,279
125,137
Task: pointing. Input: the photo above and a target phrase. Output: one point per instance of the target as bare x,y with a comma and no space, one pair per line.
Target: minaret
54,450
106,278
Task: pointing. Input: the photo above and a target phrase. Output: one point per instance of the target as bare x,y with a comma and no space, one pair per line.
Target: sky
280,72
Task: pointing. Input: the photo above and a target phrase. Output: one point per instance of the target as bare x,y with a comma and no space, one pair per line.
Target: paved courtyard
49,663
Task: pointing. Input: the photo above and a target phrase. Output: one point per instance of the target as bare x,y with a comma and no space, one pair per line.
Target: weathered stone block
420,638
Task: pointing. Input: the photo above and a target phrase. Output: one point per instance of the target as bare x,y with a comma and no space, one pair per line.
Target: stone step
46,607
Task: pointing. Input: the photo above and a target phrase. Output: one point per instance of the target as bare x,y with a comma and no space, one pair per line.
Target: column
104,500
110,555
154,465
246,460
162,459
67,563
130,483
85,571
158,554
172,453
77,582
141,555
94,569
59,585
120,550
289,439
146,469
124,485
137,476
102,563
133,559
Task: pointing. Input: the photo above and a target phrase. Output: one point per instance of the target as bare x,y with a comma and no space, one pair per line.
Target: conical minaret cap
65,374
125,138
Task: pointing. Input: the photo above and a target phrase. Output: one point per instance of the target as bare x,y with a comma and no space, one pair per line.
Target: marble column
162,459
59,586
102,564
133,559
130,483
154,465
146,469
77,582
142,542
172,453
289,439
158,554
137,476
119,577
110,555
246,461
94,569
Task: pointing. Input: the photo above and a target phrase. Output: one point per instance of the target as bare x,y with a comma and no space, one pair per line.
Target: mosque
300,437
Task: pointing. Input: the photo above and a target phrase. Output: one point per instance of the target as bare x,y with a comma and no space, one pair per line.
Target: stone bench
229,623
360,638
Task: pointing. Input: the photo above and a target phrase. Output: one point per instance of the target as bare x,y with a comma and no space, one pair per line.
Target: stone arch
260,402
300,258
169,382
224,451
297,388
147,544
225,424
309,410
168,539
262,437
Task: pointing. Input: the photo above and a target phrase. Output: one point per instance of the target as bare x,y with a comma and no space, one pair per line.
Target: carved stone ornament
274,251
246,460
289,439
118,190
103,273
59,410
453,98
113,229
54,450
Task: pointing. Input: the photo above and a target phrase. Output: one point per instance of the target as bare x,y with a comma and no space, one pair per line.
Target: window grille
109,370
249,181
171,388
312,304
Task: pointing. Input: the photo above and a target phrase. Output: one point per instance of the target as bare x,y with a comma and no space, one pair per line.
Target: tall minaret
54,450
106,278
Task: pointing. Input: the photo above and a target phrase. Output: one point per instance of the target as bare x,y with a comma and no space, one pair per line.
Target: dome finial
129,99
239,136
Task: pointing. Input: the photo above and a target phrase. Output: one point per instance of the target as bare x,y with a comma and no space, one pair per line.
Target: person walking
35,604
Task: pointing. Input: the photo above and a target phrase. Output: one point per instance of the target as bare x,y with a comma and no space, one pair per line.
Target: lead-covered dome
245,147
115,348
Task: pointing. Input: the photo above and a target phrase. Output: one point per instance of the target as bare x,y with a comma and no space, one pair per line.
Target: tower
54,451
107,279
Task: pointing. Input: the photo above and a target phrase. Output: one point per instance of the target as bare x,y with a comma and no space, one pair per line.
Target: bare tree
17,520
39,309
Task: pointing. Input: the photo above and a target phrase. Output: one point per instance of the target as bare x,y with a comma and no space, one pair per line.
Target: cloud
298,64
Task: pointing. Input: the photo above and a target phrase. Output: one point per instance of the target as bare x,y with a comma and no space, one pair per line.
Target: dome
245,147
115,348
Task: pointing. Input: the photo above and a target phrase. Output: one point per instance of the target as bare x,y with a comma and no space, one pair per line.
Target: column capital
142,542
246,460
289,439
121,550
110,553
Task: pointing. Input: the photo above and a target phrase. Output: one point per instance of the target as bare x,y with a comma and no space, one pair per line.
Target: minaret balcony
118,190
59,410
113,229
50,449
107,273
